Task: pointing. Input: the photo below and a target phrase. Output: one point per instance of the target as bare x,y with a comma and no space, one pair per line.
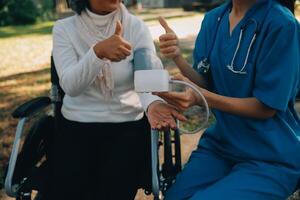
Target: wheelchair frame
163,173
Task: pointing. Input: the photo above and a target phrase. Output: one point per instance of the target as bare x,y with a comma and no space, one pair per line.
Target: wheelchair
28,168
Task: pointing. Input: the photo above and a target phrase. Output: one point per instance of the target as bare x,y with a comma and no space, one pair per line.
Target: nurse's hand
168,42
162,116
182,100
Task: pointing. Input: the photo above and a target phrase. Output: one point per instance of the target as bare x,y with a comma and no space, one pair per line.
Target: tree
3,3
17,12
23,11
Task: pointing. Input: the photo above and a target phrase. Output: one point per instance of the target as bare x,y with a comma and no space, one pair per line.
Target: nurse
247,60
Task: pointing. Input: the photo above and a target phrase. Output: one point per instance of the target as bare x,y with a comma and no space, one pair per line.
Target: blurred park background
26,44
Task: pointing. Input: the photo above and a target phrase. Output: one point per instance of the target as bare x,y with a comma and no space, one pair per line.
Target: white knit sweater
77,67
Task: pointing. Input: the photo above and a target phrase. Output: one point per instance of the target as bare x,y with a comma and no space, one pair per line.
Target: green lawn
42,28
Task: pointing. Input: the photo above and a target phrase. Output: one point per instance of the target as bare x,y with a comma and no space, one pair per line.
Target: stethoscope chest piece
204,66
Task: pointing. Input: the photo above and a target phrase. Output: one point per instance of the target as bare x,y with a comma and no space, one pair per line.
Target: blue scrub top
273,72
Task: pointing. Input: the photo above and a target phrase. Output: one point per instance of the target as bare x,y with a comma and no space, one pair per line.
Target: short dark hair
290,4
78,5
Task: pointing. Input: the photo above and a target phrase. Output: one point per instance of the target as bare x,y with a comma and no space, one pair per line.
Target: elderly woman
247,56
101,150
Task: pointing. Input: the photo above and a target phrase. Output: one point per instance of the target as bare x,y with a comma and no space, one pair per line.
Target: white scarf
91,35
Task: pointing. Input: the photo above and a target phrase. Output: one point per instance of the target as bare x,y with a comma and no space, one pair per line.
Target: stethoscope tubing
231,67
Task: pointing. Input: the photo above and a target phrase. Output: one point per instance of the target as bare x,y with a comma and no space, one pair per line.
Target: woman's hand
114,48
182,100
162,116
168,42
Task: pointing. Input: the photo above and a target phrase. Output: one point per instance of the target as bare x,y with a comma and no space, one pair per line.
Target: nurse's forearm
246,107
187,70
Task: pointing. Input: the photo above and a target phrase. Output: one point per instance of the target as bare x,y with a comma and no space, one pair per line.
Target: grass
15,90
42,28
24,74
45,28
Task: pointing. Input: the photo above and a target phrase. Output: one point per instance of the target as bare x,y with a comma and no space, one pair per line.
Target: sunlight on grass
24,54
42,28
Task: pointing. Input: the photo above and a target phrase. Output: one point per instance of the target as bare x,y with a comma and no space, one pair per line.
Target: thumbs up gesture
168,42
115,48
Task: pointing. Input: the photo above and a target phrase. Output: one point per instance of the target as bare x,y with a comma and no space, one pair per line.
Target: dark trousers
100,161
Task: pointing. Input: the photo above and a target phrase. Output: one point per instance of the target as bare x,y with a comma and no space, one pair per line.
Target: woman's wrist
152,104
181,63
178,58
99,51
216,101
209,97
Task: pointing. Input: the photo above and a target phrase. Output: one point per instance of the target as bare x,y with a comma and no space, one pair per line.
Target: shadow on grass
18,88
15,90
22,76
44,28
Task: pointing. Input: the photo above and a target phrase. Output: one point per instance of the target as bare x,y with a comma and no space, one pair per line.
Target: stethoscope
204,65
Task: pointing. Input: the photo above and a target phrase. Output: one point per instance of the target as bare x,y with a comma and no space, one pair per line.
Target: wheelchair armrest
31,107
